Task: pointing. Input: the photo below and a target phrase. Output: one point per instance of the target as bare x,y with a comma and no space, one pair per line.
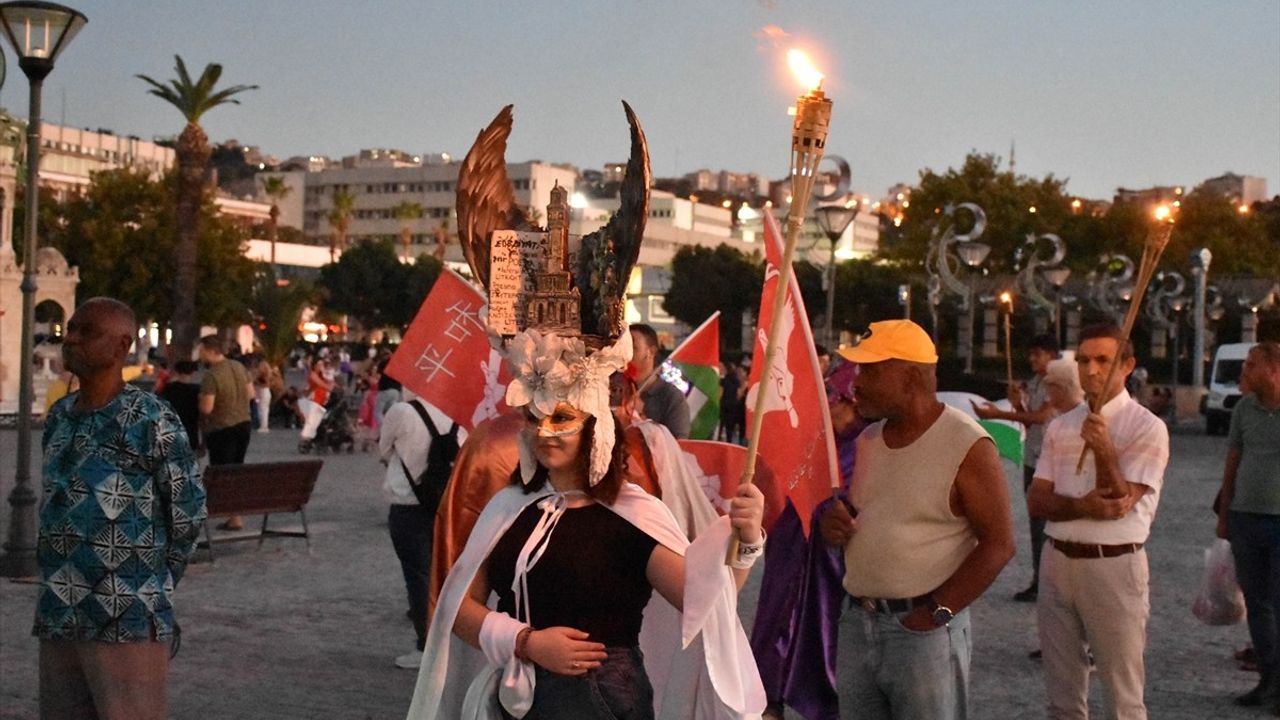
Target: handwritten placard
514,258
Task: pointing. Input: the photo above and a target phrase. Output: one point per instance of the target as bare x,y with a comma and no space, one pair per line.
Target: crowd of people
575,508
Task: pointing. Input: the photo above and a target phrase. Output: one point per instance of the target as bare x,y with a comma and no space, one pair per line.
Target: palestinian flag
698,359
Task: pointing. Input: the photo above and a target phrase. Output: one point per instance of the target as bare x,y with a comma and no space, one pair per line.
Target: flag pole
808,141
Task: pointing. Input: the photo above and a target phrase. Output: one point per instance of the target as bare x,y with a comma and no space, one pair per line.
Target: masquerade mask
559,424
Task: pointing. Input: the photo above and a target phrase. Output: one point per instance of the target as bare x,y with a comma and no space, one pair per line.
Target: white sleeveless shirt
908,540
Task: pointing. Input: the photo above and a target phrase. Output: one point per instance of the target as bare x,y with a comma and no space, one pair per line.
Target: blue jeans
886,671
1255,544
618,690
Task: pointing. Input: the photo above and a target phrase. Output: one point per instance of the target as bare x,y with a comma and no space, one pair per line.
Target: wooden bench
253,488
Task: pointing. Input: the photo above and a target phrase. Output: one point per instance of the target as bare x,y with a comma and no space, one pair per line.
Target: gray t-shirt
1255,432
1035,398
665,405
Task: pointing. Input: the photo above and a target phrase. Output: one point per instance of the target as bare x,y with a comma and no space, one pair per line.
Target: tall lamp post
948,249
1200,260
834,220
38,32
972,254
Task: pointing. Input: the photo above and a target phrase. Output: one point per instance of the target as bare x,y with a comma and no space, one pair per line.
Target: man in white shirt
404,443
1094,575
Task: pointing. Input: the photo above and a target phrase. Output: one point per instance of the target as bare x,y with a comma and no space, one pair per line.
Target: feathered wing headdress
559,360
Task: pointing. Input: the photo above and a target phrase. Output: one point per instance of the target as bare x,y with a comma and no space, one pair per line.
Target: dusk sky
1105,94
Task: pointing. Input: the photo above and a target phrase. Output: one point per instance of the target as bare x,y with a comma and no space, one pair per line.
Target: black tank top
591,577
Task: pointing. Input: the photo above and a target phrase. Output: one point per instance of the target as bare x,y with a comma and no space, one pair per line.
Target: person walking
225,390
925,527
1031,408
1249,511
1094,591
409,432
121,513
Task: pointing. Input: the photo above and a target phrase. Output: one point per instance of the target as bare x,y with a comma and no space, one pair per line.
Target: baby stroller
336,429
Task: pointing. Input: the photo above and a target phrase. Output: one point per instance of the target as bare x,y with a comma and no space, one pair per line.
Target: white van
1224,386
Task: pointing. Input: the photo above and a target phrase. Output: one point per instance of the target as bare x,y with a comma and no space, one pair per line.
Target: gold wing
486,201
608,254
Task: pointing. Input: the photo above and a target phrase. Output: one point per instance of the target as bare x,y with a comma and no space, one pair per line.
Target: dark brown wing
608,254
486,201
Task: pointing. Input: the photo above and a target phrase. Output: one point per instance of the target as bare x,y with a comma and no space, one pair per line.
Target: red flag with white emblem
795,435
445,357
718,467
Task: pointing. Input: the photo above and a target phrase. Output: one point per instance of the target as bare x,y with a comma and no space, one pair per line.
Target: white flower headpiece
550,369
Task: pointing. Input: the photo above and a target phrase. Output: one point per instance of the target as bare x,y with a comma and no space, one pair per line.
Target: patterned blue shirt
122,509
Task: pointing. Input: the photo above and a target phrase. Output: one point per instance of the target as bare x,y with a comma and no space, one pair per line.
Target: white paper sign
513,257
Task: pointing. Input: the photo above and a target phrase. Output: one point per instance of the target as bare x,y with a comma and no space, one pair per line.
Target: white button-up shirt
404,437
1142,445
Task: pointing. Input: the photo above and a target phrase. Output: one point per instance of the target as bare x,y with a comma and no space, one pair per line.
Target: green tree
275,188
340,221
193,100
278,308
1006,199
406,212
866,292
704,280
370,284
121,232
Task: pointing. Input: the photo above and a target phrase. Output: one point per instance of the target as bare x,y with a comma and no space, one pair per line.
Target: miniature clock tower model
554,305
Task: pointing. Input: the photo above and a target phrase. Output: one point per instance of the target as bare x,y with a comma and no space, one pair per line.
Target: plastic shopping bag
1219,601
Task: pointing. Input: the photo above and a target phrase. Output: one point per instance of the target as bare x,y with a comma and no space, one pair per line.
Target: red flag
446,359
795,435
719,465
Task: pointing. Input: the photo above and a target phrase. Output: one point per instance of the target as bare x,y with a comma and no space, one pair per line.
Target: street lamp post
834,220
949,249
972,254
38,32
1057,277
1200,260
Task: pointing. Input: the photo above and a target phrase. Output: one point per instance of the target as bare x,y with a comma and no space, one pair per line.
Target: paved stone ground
283,633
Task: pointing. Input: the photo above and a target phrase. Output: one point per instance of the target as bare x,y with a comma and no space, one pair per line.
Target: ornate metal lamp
38,32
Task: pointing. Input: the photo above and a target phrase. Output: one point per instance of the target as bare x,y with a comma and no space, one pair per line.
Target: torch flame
803,69
1006,298
1164,214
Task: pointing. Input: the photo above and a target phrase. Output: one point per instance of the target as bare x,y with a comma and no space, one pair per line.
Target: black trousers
227,446
411,536
1037,526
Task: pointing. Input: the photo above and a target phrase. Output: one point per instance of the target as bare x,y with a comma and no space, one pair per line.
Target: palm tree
193,100
340,221
406,212
275,188
441,236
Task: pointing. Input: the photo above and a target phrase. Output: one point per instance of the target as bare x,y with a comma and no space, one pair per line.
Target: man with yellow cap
925,528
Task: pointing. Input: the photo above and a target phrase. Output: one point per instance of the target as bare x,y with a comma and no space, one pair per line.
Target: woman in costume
558,575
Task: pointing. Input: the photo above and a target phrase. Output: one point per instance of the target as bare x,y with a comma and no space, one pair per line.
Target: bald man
121,512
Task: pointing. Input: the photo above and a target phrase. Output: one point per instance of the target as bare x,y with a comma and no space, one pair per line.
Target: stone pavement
283,633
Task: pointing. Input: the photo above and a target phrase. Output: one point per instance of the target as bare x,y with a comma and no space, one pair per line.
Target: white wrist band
498,637
748,553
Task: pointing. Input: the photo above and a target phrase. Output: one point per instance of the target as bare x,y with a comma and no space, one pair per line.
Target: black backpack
429,486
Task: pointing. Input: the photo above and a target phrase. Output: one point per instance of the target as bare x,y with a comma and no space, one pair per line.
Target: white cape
713,667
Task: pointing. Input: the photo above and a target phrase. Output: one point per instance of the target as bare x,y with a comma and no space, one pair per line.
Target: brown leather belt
890,606
1085,551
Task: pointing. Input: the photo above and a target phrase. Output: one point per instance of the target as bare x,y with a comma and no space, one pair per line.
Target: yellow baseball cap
893,340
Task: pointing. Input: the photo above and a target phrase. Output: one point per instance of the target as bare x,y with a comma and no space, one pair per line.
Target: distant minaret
1013,158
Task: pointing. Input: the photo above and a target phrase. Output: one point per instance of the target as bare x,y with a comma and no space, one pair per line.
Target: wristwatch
941,614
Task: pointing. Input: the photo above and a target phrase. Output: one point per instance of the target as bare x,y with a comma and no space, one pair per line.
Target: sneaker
1028,595
410,661
263,430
